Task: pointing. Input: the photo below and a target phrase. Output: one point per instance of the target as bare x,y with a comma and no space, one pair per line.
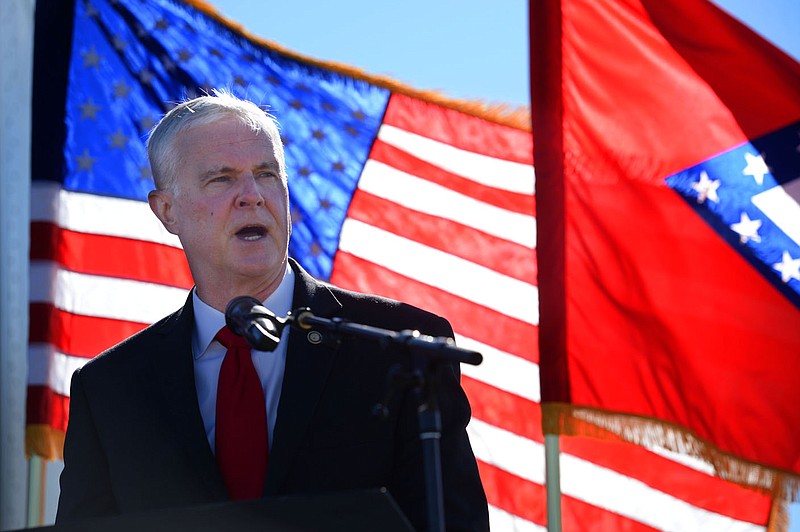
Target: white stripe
93,214
489,171
502,521
602,487
502,370
103,297
444,271
596,485
783,209
506,450
424,196
47,366
683,459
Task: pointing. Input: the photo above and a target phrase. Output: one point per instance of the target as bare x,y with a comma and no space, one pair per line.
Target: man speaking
186,412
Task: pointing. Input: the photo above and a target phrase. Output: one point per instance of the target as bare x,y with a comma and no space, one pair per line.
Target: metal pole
37,468
16,81
430,433
552,482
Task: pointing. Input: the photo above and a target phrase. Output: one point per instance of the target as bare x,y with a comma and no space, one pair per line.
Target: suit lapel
307,367
172,361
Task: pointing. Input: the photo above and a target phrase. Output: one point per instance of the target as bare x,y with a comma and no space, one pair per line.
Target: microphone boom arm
441,348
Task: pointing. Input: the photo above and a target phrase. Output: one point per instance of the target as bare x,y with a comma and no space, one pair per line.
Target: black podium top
351,511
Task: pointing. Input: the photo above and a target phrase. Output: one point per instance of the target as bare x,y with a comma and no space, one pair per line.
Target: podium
351,511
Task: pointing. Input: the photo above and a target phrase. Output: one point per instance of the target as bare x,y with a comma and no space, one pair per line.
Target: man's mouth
251,232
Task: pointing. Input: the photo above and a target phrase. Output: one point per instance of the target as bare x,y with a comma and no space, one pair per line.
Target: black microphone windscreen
238,311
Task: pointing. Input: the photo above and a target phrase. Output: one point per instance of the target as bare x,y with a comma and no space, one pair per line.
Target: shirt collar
208,320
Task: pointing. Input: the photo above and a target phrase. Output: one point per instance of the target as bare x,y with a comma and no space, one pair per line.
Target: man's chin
259,269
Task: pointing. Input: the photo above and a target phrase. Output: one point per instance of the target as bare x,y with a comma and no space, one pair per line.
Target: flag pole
37,479
552,472
16,48
545,20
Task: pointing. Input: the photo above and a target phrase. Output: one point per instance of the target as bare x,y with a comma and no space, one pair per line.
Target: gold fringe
518,117
571,420
44,441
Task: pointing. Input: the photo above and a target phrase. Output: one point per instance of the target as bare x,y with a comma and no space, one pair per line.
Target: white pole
36,475
16,82
552,482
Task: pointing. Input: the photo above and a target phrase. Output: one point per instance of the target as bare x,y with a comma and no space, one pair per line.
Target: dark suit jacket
136,440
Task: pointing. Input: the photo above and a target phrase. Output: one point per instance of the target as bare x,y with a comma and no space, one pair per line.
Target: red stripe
110,256
471,320
74,334
46,407
514,494
408,163
459,129
580,515
463,241
503,409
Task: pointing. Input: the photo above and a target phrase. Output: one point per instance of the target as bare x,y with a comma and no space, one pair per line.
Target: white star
747,229
789,267
91,58
145,76
756,167
706,188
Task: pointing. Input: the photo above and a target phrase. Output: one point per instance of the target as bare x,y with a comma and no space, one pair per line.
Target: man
146,427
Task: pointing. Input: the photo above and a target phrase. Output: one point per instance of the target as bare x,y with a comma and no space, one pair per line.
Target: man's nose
249,193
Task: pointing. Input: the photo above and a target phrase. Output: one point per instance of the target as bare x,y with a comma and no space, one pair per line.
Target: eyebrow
219,170
269,165
230,170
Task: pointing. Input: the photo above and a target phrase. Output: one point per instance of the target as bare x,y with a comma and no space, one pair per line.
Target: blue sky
465,48
469,49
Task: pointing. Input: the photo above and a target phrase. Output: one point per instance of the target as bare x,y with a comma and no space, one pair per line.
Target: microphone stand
428,353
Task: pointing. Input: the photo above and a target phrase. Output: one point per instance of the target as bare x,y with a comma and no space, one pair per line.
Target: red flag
667,170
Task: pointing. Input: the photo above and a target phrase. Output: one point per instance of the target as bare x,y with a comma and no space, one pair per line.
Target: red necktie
241,432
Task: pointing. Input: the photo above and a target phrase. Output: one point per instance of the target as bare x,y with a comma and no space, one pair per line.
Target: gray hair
165,161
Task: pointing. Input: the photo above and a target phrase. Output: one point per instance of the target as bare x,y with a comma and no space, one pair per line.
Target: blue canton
134,60
751,196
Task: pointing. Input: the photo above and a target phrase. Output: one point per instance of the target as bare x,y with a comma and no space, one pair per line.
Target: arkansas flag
668,180
393,191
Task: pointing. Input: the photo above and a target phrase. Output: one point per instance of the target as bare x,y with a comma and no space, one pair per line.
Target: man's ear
161,204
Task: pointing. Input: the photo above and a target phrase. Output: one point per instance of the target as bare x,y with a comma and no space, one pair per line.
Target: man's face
229,206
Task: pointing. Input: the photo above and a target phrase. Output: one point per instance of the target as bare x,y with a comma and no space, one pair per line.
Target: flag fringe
518,117
572,420
44,441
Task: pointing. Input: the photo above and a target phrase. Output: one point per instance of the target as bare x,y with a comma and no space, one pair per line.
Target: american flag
392,191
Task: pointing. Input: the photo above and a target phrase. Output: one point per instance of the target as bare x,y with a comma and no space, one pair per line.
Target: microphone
247,317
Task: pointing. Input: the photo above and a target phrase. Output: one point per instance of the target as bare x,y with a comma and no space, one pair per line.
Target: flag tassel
571,420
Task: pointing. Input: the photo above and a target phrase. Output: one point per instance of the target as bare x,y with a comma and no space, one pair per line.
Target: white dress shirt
208,355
